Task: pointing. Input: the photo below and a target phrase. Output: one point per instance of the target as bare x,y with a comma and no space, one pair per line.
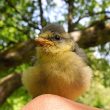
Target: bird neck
50,57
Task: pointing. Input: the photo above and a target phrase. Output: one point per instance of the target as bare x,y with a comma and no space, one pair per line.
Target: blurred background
21,21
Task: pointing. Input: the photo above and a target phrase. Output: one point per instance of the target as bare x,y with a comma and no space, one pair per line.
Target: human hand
54,102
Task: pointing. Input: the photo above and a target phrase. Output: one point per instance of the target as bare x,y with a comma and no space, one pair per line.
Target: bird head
54,39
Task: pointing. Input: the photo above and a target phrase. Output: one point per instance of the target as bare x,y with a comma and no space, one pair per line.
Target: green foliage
17,100
101,67
98,95
18,69
14,22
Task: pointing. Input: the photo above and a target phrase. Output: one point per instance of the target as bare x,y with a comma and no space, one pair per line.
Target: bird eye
57,37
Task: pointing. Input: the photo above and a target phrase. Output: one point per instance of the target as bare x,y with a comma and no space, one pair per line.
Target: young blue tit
60,68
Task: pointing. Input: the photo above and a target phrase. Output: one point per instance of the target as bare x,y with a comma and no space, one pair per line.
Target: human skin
54,102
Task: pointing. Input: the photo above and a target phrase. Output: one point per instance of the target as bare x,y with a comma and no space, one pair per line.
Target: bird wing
79,51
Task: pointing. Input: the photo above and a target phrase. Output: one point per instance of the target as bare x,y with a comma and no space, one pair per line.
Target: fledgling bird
60,68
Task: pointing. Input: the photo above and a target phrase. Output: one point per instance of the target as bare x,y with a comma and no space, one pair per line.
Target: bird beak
43,42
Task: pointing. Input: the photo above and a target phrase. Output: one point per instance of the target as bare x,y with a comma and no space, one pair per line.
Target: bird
61,67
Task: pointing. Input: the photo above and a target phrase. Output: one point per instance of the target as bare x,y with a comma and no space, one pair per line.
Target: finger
54,102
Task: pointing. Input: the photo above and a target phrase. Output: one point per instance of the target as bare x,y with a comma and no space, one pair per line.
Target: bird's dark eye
57,37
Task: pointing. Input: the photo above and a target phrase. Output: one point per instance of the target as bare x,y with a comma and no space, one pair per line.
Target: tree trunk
8,85
18,54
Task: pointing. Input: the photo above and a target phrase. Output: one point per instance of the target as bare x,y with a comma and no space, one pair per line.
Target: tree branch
70,14
93,36
91,14
8,85
41,12
16,55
